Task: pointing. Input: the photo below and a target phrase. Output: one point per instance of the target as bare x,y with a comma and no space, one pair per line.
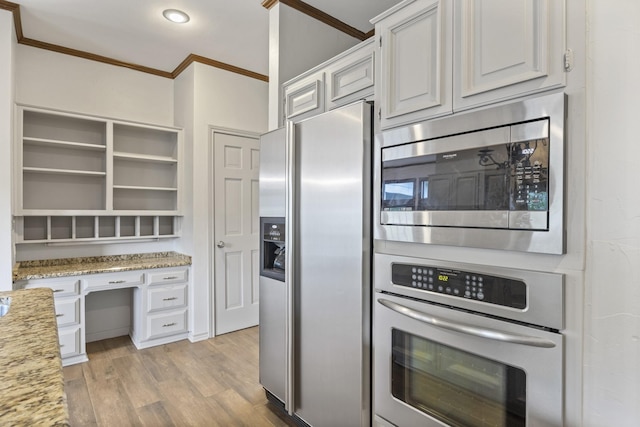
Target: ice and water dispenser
272,250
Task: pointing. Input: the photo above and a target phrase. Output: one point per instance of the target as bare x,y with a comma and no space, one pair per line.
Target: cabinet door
304,98
414,63
351,77
506,48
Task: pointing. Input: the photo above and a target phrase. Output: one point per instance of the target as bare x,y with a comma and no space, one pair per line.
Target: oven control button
480,295
430,279
413,276
414,270
430,287
467,293
419,278
440,288
430,272
419,271
414,284
448,290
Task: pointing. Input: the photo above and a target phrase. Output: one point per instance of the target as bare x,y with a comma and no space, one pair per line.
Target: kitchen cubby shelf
70,165
94,229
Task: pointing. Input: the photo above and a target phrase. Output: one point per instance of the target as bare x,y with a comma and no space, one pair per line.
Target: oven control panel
462,284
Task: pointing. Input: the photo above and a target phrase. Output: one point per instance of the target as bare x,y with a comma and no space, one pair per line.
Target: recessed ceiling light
175,15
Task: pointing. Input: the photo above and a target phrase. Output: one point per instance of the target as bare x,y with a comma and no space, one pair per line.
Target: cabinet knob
220,244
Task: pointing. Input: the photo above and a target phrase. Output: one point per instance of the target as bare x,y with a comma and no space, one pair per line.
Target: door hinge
379,113
568,60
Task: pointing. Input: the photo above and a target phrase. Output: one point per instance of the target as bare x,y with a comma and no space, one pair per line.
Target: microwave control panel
462,284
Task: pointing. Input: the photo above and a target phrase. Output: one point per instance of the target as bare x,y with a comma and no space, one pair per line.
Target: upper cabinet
343,79
506,48
440,56
69,164
414,61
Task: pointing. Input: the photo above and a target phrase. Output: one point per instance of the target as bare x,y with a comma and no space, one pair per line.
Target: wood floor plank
139,385
79,401
155,415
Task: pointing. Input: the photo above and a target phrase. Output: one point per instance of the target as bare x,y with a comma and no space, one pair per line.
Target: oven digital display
463,284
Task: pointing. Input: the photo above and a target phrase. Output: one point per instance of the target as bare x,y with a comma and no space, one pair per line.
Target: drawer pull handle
166,325
115,282
59,315
58,290
169,299
170,278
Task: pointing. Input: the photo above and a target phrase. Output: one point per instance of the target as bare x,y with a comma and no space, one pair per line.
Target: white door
236,230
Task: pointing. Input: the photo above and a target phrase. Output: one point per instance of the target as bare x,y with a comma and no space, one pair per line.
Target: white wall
218,98
7,61
612,312
297,43
53,80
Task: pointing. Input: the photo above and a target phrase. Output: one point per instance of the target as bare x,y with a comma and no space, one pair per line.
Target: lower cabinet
160,306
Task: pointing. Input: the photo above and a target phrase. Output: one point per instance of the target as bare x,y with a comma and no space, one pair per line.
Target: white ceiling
230,31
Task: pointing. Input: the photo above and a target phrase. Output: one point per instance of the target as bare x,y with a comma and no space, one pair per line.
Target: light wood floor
208,383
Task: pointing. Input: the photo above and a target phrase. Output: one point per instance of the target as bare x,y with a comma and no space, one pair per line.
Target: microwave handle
491,334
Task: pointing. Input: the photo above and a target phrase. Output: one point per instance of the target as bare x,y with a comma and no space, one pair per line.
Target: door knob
220,244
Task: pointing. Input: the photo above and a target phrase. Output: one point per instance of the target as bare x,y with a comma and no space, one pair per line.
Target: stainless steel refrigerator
327,276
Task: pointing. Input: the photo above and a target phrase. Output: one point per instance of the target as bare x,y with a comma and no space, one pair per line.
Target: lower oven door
435,366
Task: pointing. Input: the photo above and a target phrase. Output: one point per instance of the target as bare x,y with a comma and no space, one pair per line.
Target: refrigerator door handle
290,266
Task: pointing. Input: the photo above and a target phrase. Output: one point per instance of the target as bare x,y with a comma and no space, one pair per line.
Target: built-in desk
160,283
31,380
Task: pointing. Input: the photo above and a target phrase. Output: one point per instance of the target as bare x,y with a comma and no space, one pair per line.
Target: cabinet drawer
172,276
161,298
162,324
60,288
115,280
68,311
69,339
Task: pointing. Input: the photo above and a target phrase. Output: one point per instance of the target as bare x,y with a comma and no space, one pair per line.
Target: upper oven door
435,366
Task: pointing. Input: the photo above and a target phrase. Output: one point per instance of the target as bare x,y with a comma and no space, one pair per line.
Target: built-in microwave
491,178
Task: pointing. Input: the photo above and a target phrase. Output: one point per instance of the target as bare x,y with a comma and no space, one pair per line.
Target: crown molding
268,4
321,16
15,9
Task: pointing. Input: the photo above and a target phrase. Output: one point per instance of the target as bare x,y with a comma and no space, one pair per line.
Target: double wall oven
456,343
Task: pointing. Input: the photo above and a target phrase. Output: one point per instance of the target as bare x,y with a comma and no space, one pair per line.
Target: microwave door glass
464,180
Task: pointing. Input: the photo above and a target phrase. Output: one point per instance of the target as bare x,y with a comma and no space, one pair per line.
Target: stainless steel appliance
491,178
327,271
466,345
272,286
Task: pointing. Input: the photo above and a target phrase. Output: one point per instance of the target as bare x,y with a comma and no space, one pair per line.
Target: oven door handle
492,334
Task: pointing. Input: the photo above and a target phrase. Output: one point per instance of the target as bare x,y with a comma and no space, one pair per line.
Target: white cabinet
160,306
507,48
69,307
82,177
414,62
304,97
437,57
341,80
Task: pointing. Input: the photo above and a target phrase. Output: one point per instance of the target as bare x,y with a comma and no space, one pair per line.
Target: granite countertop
63,267
31,379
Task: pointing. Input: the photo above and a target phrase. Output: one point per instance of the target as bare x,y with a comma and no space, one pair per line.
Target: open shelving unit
73,170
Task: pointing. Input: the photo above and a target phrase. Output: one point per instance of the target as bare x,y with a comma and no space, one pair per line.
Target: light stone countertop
31,380
63,267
